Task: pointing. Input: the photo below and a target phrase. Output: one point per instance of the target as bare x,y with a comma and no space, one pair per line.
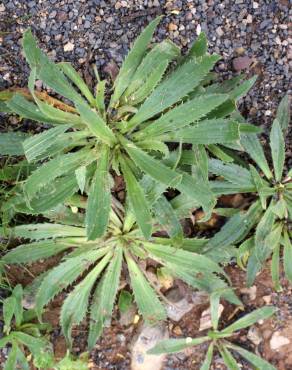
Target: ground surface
98,32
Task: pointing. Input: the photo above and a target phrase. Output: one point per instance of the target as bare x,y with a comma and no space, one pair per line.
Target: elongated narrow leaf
275,268
54,168
199,47
77,80
164,51
151,82
283,113
9,305
243,88
277,145
27,253
255,360
183,80
25,109
99,198
228,359
287,256
104,297
46,70
231,172
138,201
254,148
183,115
42,231
182,258
167,218
11,362
236,228
53,194
163,174
11,143
132,61
75,306
65,274
250,319
176,345
201,133
208,360
96,124
37,144
148,304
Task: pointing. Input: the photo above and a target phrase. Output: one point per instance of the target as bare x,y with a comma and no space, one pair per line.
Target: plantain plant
102,260
266,226
157,97
20,331
218,340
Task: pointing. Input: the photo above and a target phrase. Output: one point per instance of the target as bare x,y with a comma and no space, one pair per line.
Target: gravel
90,32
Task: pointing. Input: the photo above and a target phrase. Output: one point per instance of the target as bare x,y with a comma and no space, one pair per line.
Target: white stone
69,46
255,5
277,341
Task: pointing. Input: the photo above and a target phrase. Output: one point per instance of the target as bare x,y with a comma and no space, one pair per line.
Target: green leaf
167,218
208,360
287,256
150,83
137,200
184,79
96,124
75,305
255,360
254,148
262,248
56,167
132,61
176,345
42,231
11,362
202,133
228,359
104,297
160,53
250,319
236,228
46,70
283,113
148,304
161,173
100,96
277,145
80,174
9,305
280,208
182,259
65,274
37,144
27,253
231,172
125,301
275,268
182,115
99,198
77,80
199,47
11,143
243,88
259,184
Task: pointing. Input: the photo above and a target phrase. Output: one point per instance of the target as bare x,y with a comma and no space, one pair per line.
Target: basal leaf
283,113
74,307
199,47
287,256
133,60
176,345
184,79
147,301
277,145
99,198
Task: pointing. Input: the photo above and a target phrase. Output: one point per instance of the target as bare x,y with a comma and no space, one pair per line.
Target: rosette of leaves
157,97
98,265
219,340
20,332
265,228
